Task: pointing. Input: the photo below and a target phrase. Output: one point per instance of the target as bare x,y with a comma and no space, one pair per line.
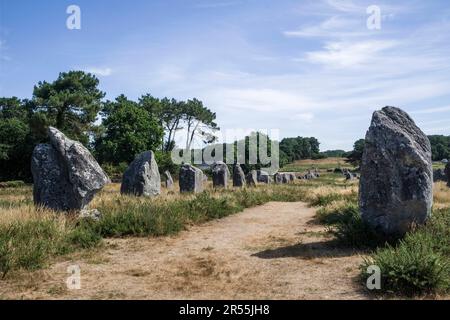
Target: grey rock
252,178
439,175
66,176
220,174
92,214
169,180
396,174
349,176
447,172
191,179
142,176
263,176
238,176
278,178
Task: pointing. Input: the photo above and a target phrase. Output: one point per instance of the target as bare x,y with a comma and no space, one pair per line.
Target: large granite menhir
142,176
396,174
191,179
66,175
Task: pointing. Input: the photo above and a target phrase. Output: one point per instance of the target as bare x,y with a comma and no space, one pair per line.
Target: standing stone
262,176
447,172
278,178
238,176
66,175
286,178
252,178
220,174
396,174
439,175
169,180
142,177
191,179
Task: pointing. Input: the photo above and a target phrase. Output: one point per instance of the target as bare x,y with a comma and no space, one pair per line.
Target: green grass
30,244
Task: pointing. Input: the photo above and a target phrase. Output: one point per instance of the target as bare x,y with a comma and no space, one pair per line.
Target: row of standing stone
66,175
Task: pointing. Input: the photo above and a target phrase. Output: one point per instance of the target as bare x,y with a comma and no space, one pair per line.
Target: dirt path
270,252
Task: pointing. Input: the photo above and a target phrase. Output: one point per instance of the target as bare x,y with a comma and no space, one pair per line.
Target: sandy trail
274,251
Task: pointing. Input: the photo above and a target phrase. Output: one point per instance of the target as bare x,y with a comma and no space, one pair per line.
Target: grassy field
418,265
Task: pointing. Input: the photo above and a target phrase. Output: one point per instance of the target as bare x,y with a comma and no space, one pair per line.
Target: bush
419,264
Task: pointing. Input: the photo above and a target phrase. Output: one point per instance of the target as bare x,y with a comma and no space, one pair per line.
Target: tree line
440,149
115,131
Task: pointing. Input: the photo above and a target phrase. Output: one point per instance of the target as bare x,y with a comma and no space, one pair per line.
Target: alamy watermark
261,147
374,20
73,282
374,280
73,21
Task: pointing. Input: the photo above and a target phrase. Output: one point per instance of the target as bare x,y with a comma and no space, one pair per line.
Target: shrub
419,264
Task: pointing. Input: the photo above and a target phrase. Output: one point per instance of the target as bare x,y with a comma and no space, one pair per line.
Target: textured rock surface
439,175
191,179
278,178
447,172
252,178
66,176
169,180
238,176
220,174
263,176
396,173
142,176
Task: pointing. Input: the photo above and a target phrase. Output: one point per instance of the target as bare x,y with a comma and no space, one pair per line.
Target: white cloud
432,110
347,54
102,72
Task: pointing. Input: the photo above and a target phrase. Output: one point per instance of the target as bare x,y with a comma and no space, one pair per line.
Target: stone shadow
312,250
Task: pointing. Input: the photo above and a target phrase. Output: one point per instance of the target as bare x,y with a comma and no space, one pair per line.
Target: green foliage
440,147
356,155
129,130
334,153
418,264
71,102
299,148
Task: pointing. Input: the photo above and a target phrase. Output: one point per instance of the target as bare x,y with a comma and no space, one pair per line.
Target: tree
355,156
170,112
440,147
71,103
199,120
293,149
129,130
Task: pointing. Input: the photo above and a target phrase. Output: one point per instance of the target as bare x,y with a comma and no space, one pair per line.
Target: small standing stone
252,178
220,174
191,179
142,176
447,173
263,176
278,178
169,180
238,176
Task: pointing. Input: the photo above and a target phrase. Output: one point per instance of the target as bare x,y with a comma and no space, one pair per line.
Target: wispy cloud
102,72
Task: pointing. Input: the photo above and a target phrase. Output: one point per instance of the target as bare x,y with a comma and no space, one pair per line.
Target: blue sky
307,68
